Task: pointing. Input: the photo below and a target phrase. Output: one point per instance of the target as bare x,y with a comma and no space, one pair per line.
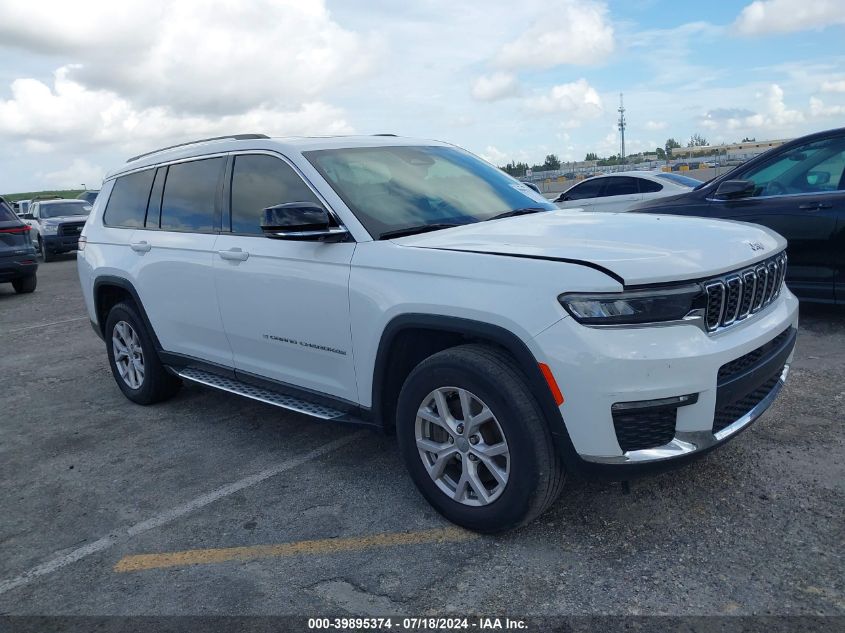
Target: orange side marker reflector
550,380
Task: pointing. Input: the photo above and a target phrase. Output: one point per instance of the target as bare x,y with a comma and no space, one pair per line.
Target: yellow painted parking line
141,562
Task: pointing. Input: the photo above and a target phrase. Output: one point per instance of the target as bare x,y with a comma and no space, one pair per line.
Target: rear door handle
234,254
140,247
815,206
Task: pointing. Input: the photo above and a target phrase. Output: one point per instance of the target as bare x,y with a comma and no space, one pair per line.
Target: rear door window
587,189
619,186
189,202
260,181
127,204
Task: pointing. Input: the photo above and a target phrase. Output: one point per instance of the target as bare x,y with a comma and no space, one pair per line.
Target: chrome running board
261,395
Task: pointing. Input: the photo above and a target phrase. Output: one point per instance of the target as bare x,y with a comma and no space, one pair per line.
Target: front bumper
60,243
597,368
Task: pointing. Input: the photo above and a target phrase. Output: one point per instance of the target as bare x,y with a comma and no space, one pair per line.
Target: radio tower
622,128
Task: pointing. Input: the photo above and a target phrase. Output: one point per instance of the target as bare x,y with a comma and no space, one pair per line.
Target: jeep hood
635,249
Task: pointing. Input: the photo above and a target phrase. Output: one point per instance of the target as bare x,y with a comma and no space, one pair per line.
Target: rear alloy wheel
475,441
128,354
133,358
23,285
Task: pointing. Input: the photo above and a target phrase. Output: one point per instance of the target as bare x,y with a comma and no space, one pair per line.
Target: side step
262,395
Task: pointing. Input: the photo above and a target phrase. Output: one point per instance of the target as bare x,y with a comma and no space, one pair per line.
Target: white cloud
194,56
656,125
764,17
494,87
820,110
773,117
833,86
72,115
79,172
494,155
578,99
574,32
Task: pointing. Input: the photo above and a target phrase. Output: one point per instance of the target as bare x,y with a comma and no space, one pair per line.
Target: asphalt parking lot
213,504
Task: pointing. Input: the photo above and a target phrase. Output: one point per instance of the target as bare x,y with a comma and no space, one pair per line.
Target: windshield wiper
515,212
422,228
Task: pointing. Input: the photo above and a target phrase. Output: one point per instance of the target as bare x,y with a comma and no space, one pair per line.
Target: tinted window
619,186
811,168
190,193
261,181
6,214
587,189
128,201
649,186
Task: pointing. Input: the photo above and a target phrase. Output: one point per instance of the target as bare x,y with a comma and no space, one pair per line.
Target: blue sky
84,85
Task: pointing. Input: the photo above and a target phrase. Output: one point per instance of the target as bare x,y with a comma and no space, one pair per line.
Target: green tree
669,145
661,153
591,156
552,162
696,140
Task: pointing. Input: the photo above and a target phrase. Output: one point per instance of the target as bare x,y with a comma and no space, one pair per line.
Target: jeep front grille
738,295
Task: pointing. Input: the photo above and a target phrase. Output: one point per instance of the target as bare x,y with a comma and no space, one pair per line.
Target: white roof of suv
242,142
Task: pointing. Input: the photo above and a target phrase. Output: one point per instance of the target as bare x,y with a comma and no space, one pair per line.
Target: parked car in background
22,207
797,189
622,190
56,225
18,262
89,196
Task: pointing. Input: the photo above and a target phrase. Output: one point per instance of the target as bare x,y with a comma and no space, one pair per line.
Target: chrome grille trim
749,282
735,296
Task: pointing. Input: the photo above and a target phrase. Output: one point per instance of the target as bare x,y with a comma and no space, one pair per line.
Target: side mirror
27,216
731,189
306,221
816,178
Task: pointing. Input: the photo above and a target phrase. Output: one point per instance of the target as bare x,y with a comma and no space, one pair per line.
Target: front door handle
140,247
234,254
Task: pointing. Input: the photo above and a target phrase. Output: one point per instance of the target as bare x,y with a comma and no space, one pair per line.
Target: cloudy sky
85,84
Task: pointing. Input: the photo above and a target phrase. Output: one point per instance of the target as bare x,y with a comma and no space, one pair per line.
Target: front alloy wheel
462,446
475,441
128,354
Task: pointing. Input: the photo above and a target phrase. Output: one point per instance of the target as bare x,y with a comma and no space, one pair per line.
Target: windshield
394,188
684,181
69,207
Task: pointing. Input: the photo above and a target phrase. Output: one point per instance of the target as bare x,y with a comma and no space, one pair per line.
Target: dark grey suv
17,254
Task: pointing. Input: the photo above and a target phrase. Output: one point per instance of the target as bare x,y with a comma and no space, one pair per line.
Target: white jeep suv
408,285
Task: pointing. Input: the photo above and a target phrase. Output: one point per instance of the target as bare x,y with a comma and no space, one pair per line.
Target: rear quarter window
127,204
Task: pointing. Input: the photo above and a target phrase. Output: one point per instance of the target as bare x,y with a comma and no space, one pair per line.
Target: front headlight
49,229
637,306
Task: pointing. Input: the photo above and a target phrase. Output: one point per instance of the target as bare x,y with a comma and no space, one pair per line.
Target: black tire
536,472
46,255
158,384
23,285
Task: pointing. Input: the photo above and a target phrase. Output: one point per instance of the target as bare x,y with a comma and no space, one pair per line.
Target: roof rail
385,134
237,137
